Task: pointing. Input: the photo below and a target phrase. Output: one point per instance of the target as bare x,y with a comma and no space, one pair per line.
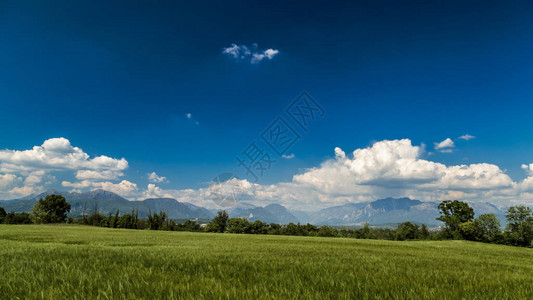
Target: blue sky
119,80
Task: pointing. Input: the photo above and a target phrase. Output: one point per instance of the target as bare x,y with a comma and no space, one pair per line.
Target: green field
78,262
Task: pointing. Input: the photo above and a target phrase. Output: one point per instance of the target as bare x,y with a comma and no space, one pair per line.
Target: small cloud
153,177
189,117
288,156
445,146
467,137
339,154
251,54
528,169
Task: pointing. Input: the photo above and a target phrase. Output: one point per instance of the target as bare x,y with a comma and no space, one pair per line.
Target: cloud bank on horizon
388,168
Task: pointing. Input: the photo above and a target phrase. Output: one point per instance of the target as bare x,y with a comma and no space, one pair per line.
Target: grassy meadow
80,262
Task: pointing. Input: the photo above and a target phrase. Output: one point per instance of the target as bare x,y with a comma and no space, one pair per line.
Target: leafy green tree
114,222
274,228
407,231
453,213
489,227
258,227
238,225
53,209
327,231
424,232
469,230
516,215
128,221
219,222
191,225
157,221
96,218
519,229
365,232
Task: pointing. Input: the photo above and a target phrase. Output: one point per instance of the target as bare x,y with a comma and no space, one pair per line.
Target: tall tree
489,228
219,222
519,229
52,209
453,214
516,215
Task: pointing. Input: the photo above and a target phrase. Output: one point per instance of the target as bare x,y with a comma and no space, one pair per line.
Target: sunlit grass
78,262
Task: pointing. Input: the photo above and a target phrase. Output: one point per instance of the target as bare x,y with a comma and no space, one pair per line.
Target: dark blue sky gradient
118,78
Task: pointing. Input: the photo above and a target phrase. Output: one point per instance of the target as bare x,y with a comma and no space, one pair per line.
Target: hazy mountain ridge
272,213
391,211
388,211
108,202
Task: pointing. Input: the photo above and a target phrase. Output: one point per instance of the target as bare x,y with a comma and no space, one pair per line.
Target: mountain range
384,212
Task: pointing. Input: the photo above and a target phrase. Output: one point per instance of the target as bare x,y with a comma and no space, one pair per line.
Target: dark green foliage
274,228
517,215
53,209
489,228
259,227
519,230
453,214
114,222
97,219
238,225
424,231
407,231
2,214
469,230
219,223
128,221
189,225
17,218
158,221
326,231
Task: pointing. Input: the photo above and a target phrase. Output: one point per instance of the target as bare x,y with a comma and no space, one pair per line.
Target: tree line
457,217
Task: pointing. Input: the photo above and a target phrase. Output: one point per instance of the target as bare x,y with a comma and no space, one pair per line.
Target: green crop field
77,262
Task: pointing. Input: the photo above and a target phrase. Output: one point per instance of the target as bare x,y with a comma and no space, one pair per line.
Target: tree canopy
453,214
52,209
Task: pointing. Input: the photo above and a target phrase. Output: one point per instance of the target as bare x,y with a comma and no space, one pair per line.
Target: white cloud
467,137
56,154
528,169
153,177
34,178
288,156
389,168
8,181
124,188
397,163
33,168
445,146
98,175
251,54
270,53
